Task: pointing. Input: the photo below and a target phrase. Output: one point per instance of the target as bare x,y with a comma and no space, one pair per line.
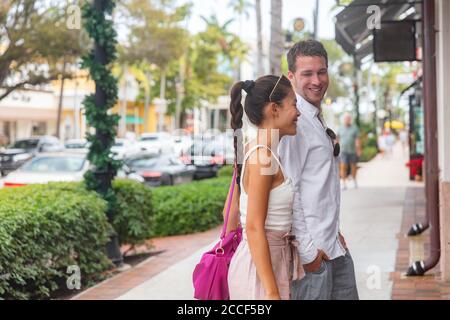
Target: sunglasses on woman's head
273,90
336,146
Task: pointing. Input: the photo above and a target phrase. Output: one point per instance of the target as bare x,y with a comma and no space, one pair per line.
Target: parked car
22,150
182,143
221,149
205,165
158,170
55,167
158,142
124,147
77,144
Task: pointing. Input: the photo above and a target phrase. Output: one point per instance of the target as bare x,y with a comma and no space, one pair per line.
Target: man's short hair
308,48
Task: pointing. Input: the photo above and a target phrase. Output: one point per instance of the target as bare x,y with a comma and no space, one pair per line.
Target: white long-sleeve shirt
309,161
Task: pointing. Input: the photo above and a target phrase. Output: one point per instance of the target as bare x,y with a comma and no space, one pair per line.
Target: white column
443,88
216,118
24,128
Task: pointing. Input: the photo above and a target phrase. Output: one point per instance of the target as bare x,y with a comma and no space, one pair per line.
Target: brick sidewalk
429,286
173,249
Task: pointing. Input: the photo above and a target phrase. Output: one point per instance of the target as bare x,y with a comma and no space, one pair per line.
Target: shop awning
352,32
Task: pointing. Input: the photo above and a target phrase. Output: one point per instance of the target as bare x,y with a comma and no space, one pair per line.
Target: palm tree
259,56
233,49
276,37
241,8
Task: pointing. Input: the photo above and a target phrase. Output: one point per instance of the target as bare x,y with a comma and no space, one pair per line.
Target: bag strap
230,198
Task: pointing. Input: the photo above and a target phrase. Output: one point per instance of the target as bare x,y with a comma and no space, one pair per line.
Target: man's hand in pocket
315,265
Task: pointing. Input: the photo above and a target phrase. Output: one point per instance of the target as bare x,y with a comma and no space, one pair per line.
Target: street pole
316,20
356,76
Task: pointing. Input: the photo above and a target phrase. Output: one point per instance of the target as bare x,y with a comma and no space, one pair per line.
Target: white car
76,144
55,167
125,147
181,144
158,142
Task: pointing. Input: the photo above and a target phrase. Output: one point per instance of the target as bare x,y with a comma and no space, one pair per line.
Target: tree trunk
180,94
61,92
259,57
276,37
162,96
123,107
148,76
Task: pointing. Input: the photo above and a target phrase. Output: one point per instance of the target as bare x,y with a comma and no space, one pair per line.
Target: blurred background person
404,140
348,138
389,141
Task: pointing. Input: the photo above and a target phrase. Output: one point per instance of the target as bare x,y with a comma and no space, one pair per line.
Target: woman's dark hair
264,90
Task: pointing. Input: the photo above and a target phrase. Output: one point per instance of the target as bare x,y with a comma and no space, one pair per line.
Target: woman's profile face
288,115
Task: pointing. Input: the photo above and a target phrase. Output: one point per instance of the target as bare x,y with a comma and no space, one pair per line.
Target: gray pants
335,280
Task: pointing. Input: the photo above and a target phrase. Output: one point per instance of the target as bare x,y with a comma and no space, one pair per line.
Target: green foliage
368,142
101,29
133,212
225,171
43,230
189,208
368,153
36,33
46,228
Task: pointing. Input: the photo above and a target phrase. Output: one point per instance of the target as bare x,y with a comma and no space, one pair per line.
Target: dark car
221,149
22,150
159,170
206,165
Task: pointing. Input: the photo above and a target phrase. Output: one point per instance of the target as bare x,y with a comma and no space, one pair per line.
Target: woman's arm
233,219
258,190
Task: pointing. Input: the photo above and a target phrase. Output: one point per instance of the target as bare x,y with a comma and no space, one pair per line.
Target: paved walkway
370,220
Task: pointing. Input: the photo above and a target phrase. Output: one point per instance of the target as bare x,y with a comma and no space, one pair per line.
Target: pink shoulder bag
210,276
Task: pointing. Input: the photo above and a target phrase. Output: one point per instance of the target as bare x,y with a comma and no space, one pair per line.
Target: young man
311,159
348,138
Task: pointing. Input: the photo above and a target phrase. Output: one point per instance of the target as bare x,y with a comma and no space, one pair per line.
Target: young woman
265,261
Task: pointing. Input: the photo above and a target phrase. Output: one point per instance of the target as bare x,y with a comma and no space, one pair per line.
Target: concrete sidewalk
370,221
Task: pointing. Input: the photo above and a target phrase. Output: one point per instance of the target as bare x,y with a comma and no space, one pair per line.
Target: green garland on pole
98,61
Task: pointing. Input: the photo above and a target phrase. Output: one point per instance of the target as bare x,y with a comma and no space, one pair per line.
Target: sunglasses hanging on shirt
336,146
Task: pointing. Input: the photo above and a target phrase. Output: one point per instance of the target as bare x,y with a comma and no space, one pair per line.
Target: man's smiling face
310,78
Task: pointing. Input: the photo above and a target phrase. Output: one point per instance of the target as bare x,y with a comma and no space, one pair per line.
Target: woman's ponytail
237,113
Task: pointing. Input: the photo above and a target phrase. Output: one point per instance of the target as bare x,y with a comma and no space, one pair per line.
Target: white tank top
281,200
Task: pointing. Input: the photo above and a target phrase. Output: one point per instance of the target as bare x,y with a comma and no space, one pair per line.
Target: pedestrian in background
404,140
348,137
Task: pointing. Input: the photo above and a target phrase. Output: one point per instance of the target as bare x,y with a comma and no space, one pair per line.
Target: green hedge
133,212
44,229
369,148
225,171
368,153
189,208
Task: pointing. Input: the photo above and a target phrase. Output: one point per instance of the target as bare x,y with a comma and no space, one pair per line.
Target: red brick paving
430,286
173,249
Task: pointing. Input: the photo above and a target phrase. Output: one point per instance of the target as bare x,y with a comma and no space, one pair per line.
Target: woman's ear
275,109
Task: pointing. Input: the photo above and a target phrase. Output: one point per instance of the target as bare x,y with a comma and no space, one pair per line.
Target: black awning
351,31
